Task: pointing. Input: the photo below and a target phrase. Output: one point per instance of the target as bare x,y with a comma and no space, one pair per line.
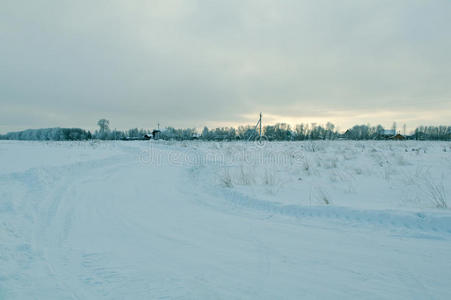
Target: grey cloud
189,63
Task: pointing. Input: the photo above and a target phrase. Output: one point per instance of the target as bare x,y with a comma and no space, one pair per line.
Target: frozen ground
140,220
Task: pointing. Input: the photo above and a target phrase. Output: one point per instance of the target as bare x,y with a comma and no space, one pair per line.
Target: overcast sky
194,63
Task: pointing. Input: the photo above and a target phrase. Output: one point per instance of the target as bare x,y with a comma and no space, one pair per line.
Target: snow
203,220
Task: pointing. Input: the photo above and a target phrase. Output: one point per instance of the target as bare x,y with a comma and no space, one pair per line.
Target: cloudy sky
190,63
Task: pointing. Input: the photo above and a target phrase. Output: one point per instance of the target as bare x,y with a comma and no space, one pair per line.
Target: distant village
276,132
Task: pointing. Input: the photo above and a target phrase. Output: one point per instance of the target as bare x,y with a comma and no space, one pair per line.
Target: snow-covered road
97,221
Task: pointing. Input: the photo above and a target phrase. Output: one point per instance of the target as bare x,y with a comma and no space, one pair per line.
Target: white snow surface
226,220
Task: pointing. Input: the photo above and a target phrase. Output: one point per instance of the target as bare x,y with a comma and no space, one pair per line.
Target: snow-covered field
194,220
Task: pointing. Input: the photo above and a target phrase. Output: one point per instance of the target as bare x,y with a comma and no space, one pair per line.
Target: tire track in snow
45,211
57,222
417,221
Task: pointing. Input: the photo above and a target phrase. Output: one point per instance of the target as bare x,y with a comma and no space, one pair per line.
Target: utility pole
260,122
258,127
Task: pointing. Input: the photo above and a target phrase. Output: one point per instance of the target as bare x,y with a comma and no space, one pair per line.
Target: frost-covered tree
104,129
50,134
104,125
394,127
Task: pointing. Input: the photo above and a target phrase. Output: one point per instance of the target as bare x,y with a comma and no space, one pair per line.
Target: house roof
389,132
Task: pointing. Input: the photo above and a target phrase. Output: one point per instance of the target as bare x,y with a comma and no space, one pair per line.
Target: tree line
277,132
